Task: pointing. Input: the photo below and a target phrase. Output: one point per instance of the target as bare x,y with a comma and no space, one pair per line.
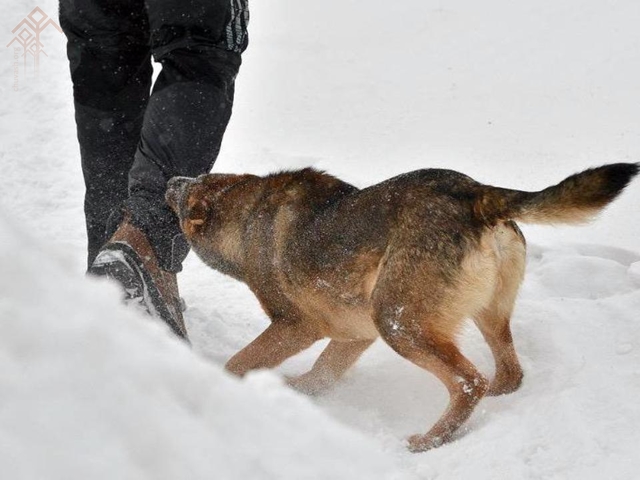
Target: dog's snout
176,189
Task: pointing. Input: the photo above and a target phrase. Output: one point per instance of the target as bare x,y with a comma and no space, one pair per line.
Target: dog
408,259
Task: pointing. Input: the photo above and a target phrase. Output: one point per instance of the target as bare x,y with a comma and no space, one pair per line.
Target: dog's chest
337,305
340,317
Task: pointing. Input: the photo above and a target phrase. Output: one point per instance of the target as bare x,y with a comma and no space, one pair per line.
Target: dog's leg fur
466,388
493,321
281,340
334,361
496,331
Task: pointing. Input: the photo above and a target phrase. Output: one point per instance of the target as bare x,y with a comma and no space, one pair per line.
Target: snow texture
516,94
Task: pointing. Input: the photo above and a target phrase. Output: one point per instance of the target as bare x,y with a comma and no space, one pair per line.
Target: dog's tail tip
575,200
620,174
601,185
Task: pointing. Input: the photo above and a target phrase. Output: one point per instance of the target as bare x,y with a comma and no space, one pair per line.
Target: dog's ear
205,200
196,213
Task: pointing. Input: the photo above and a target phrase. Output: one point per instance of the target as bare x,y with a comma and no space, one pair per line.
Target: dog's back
442,216
423,251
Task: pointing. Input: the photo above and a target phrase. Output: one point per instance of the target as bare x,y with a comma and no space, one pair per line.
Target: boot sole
122,263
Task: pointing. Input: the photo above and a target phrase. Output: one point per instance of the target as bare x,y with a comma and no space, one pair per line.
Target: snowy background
516,94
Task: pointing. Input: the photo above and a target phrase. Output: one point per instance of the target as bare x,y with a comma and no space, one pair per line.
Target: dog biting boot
129,259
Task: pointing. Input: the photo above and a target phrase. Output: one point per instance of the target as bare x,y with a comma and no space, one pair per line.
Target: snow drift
90,389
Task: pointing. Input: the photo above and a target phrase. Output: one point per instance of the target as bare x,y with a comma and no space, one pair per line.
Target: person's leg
110,62
198,43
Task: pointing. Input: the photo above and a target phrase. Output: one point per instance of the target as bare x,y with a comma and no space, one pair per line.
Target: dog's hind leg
495,328
333,362
494,320
425,336
281,340
465,384
420,300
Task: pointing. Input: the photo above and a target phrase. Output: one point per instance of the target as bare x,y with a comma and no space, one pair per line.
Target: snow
515,94
96,389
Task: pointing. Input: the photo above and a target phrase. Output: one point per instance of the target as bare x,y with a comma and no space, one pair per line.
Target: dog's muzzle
176,189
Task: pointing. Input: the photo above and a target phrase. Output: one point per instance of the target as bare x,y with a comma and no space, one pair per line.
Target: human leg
131,145
110,65
187,113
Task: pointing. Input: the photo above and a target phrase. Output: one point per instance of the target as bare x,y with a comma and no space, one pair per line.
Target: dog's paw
503,385
308,384
423,442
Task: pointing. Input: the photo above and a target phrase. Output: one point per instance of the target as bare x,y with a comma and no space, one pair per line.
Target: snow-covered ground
515,94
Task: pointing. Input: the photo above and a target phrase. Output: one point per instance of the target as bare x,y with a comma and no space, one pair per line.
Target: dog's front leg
281,340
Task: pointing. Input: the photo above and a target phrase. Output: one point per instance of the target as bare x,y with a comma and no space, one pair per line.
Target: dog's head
200,202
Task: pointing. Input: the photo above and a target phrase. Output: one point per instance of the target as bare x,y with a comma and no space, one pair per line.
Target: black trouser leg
198,43
111,72
188,111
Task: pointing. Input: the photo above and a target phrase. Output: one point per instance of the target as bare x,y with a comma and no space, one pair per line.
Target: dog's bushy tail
577,199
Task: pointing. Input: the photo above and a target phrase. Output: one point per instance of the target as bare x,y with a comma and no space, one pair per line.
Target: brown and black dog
408,259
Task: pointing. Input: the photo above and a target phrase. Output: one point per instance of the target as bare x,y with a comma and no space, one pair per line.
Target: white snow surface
516,94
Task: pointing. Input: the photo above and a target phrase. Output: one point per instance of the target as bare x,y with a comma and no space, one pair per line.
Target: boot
129,259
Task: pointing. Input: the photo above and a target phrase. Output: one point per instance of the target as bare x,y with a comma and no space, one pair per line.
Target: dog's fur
408,259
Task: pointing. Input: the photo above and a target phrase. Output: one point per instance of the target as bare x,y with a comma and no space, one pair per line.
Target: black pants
133,141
